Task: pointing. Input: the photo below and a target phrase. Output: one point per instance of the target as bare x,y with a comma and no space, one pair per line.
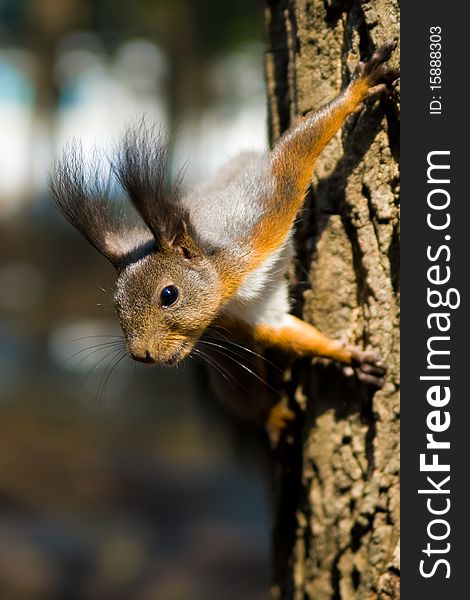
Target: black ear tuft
142,167
81,192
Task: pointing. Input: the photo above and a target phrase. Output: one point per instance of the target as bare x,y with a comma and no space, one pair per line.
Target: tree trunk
336,532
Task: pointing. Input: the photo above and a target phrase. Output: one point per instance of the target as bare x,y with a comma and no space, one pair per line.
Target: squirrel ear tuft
81,193
142,167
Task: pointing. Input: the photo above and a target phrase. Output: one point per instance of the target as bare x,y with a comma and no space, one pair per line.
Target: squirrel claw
367,366
376,70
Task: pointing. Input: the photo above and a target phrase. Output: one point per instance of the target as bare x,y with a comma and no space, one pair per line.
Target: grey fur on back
224,210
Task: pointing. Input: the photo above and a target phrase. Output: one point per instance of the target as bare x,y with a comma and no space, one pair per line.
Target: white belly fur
263,296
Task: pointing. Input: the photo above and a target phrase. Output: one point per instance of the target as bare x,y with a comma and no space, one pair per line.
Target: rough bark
336,531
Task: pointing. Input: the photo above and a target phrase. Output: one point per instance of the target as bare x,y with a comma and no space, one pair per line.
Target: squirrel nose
143,356
148,357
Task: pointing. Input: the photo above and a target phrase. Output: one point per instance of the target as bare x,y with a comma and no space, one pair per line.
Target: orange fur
300,339
293,337
231,278
294,158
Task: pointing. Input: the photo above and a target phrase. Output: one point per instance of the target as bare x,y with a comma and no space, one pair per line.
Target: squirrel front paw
279,418
367,366
376,71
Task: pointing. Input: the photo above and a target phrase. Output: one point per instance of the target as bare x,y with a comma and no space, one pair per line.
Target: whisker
250,351
240,385
114,360
221,327
213,363
209,342
98,346
104,384
111,353
84,358
106,290
90,337
258,377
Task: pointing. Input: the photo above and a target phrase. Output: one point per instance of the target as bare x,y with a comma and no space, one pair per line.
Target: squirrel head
167,289
164,301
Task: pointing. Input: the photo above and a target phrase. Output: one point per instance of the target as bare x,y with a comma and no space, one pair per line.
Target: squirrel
214,258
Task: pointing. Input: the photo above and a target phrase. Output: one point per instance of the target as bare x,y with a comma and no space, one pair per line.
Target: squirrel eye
169,295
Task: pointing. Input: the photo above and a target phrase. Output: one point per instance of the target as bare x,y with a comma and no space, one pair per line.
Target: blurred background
116,480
